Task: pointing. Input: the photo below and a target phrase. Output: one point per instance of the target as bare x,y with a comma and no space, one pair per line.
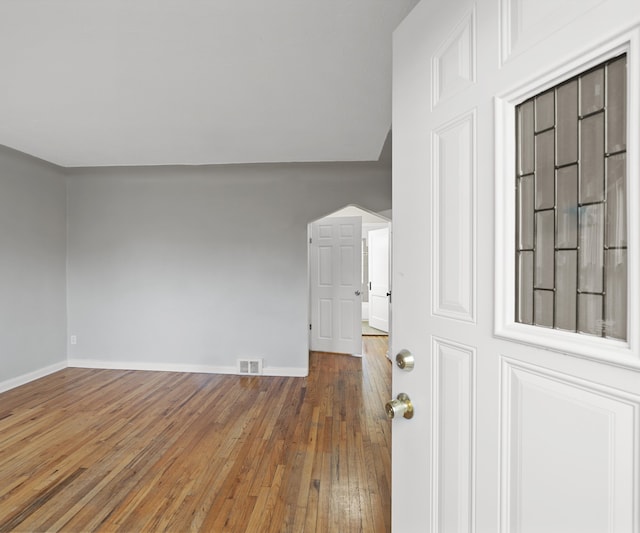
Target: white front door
516,427
336,278
378,257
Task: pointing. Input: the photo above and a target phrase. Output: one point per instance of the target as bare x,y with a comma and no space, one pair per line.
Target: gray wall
201,265
32,265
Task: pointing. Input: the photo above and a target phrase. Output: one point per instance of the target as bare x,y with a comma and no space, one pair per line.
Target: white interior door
516,427
378,241
335,272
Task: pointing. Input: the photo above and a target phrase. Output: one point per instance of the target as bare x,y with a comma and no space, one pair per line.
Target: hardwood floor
107,450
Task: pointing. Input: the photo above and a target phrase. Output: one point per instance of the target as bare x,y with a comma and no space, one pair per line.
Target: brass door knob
405,360
401,406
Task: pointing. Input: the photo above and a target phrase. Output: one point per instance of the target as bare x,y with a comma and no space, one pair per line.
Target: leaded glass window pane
571,187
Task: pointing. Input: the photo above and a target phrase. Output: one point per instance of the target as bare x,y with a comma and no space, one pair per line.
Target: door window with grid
571,236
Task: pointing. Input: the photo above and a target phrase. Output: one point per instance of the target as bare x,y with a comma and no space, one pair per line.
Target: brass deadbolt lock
400,406
405,360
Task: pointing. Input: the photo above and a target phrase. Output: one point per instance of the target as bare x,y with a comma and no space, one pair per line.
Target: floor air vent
251,367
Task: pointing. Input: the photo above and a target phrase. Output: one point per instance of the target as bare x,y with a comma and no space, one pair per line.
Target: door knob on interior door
357,293
400,406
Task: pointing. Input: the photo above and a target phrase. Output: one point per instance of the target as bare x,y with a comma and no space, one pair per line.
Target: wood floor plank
106,450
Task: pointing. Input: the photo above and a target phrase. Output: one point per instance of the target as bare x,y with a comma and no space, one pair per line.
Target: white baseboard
285,371
31,376
278,371
173,367
153,367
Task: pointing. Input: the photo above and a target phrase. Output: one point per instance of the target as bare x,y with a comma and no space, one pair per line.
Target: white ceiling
158,82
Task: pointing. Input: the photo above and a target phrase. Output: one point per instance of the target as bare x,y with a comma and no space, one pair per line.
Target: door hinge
310,240
309,327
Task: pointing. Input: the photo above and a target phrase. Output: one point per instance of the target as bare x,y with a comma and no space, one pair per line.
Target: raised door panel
525,23
325,319
325,266
346,265
453,459
454,208
569,453
454,63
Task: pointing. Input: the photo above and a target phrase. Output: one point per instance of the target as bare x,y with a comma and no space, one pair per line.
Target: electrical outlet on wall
73,339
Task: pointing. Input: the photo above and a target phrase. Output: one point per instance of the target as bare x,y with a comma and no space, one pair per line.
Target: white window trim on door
625,354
